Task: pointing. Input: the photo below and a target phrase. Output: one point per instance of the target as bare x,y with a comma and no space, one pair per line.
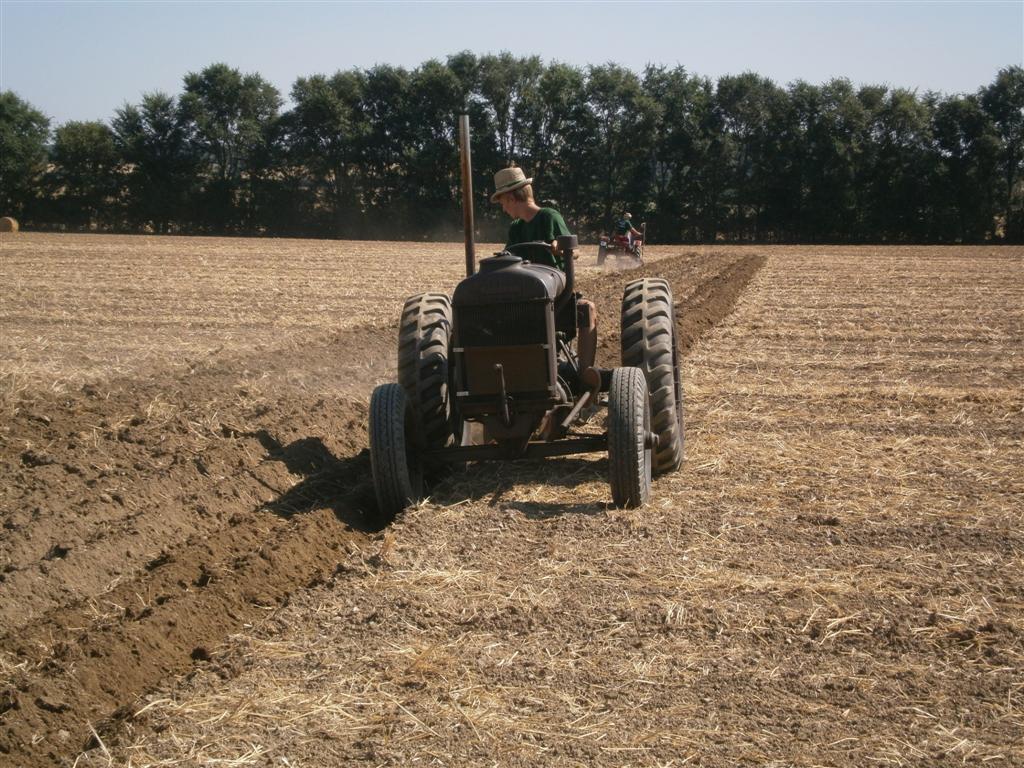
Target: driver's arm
556,251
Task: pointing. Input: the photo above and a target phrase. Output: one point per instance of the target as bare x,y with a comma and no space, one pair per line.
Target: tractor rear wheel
649,343
397,472
423,343
629,425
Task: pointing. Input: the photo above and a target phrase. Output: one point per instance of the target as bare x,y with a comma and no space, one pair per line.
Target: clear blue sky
82,60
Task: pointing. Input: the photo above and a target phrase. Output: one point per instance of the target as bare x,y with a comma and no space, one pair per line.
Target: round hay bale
8,224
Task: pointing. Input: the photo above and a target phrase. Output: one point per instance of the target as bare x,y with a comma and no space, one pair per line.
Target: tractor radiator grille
502,324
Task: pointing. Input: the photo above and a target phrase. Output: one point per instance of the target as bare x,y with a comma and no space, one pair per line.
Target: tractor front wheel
394,461
629,438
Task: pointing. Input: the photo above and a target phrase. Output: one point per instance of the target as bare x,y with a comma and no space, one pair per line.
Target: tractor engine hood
507,278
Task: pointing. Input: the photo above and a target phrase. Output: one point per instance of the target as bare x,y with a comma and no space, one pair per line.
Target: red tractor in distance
628,253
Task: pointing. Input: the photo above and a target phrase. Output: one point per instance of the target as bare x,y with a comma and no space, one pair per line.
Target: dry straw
833,577
8,224
835,572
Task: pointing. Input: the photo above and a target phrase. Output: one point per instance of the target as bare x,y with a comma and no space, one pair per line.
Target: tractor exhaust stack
467,193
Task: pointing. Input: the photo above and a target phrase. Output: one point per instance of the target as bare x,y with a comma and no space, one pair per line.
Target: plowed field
833,578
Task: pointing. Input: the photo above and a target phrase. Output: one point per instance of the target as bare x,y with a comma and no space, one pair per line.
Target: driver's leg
588,337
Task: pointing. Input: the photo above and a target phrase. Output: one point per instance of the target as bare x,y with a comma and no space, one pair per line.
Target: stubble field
833,578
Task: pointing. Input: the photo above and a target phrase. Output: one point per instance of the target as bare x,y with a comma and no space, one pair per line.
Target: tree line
372,153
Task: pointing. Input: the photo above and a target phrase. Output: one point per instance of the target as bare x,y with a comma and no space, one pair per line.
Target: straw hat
507,180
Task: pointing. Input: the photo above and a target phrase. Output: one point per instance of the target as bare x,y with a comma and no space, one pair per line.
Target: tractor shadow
345,485
339,484
494,484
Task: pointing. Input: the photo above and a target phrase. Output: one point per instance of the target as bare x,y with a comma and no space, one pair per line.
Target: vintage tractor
492,374
627,252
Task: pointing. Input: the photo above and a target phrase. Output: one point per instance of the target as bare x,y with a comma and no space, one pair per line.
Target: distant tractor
492,374
627,252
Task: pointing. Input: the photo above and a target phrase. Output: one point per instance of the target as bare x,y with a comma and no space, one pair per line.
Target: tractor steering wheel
531,244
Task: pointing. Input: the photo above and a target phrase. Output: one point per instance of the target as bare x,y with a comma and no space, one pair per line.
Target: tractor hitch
503,398
512,451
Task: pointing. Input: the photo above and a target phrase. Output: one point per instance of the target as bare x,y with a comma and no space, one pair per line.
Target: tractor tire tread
648,342
394,481
423,341
628,472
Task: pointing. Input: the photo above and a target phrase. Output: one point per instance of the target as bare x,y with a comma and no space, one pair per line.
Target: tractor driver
624,228
530,222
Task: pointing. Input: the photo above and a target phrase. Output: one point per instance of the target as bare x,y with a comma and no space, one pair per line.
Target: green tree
328,132
372,153
967,173
491,225
154,141
822,147
559,135
751,109
85,176
24,131
508,86
678,151
900,166
1003,100
436,99
275,186
230,118
386,148
624,120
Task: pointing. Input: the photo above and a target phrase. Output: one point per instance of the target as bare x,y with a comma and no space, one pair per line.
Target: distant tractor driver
624,228
531,223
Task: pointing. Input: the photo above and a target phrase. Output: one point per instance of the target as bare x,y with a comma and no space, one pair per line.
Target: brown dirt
834,577
150,514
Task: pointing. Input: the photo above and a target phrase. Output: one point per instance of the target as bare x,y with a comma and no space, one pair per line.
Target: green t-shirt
622,226
547,225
